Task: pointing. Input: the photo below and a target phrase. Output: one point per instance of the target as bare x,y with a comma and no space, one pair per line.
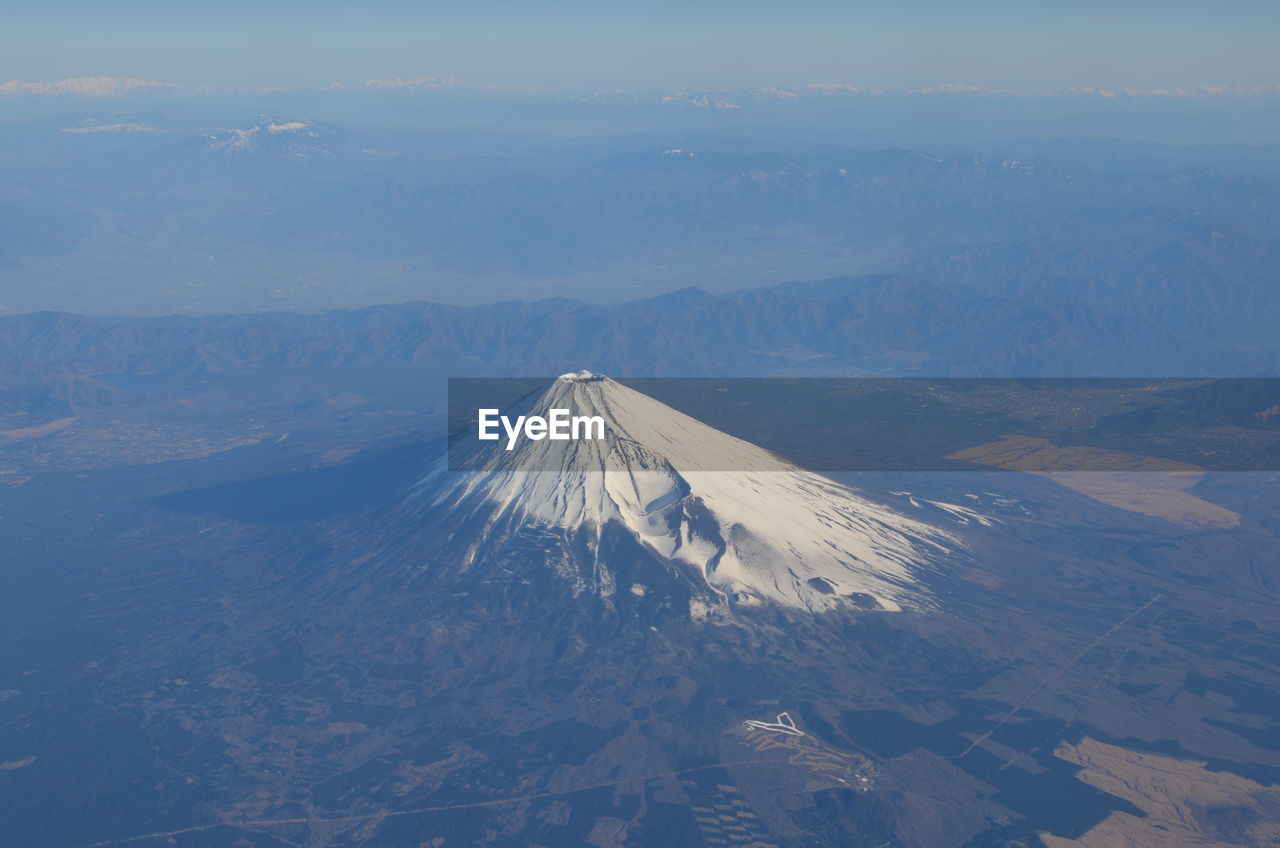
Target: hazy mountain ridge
251,218
572,212
877,324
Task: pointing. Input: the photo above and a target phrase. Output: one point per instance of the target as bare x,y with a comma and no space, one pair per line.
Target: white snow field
772,534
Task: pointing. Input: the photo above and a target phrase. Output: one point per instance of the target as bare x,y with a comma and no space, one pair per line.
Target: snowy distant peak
293,126
763,531
267,135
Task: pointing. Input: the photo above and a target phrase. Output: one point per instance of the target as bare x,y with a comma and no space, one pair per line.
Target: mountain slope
743,525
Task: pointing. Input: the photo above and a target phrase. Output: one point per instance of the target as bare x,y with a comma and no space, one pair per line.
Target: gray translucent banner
591,423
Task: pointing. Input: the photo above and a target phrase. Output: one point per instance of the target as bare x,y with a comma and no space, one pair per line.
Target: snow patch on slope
774,533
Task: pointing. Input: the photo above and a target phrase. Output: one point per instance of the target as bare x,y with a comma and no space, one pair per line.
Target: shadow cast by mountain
309,495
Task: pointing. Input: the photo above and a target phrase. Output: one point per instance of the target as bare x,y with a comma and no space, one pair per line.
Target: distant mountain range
865,325
287,212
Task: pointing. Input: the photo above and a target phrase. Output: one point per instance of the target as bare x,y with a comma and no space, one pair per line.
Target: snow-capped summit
744,524
580,377
302,139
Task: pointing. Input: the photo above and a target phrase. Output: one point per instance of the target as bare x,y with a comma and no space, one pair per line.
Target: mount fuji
611,641
665,502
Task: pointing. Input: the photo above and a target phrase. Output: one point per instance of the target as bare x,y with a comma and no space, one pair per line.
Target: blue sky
1024,46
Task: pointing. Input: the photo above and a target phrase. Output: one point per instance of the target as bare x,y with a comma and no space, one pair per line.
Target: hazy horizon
578,46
